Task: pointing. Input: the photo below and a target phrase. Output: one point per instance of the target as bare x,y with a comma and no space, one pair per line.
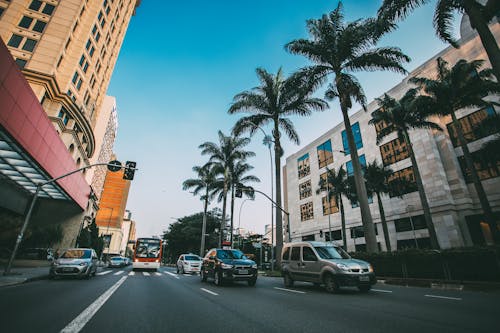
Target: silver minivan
324,263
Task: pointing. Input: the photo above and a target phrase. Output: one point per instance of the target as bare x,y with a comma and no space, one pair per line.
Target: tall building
111,212
66,51
455,207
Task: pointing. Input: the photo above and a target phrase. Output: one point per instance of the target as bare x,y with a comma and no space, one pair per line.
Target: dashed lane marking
172,274
290,290
104,273
132,273
445,297
79,322
382,291
209,291
145,273
118,273
157,274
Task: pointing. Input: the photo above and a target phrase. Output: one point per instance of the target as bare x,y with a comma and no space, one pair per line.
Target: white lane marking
444,297
131,273
382,291
118,273
172,274
104,273
79,322
145,273
290,290
157,274
209,291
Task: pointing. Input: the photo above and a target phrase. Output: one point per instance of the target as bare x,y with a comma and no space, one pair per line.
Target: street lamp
239,223
268,141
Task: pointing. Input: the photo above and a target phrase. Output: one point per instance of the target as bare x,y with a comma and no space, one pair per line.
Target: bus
147,253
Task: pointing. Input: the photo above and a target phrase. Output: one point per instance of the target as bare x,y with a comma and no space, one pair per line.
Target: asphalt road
120,300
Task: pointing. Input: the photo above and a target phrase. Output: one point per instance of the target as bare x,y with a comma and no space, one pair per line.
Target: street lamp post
239,223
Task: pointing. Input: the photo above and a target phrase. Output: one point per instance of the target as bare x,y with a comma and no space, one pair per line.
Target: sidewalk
23,271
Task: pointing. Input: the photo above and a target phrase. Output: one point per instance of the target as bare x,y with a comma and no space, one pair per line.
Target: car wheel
364,288
288,281
218,278
330,284
252,282
203,276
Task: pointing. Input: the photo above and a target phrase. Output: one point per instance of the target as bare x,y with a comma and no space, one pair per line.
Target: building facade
455,208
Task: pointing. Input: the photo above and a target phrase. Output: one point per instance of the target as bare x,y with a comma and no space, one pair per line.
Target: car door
210,262
94,261
294,265
310,265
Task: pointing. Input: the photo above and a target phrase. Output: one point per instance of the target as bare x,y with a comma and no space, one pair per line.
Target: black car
227,265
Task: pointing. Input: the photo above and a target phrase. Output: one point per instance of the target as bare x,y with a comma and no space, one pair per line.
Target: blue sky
180,65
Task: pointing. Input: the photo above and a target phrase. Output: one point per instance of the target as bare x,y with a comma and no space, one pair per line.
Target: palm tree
223,157
480,13
238,178
338,48
401,116
204,183
462,86
336,185
490,153
273,102
377,177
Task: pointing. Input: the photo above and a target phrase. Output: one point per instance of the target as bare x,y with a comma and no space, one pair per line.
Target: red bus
147,253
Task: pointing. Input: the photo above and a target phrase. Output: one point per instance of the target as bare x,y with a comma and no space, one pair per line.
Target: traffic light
238,193
128,173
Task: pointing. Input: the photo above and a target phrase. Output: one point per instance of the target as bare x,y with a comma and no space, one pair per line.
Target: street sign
114,166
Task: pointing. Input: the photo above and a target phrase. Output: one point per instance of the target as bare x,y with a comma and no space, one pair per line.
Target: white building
455,208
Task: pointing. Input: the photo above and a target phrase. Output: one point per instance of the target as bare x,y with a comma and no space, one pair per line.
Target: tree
338,48
223,157
335,184
400,117
276,99
464,85
480,13
89,237
238,178
205,183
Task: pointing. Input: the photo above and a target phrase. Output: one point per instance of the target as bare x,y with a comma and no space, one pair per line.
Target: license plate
145,264
364,278
67,269
243,271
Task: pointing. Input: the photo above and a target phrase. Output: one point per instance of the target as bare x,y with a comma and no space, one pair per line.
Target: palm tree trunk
223,220
366,217
232,213
384,223
481,194
204,225
277,176
423,196
487,39
342,222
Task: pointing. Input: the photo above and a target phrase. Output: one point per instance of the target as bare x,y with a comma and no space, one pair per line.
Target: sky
180,66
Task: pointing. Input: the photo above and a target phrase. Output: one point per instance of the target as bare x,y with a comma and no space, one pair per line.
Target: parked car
117,262
79,262
324,263
225,265
189,263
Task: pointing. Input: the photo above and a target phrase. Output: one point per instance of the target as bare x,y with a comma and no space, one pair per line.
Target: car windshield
116,259
192,258
230,254
332,252
77,254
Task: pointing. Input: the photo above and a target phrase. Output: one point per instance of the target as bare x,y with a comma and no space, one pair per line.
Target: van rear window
295,253
286,254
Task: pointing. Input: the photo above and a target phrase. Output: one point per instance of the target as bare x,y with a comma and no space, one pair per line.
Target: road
120,300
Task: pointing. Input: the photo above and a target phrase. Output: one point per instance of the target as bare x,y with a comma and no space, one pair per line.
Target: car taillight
157,260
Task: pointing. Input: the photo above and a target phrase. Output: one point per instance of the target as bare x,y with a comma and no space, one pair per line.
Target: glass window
336,235
21,63
306,238
25,22
48,9
295,253
29,45
1,11
35,5
39,26
77,254
394,151
308,254
357,138
397,187
75,77
485,169
305,189
303,165
350,168
82,59
79,84
286,254
306,211
91,52
471,126
325,154
15,40
329,206
331,252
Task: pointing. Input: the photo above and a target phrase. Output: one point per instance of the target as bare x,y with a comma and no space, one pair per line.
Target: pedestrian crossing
144,273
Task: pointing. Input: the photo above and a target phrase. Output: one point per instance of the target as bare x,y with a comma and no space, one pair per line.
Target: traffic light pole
32,205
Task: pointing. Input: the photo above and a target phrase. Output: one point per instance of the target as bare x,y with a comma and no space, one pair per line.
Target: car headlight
226,266
343,267
370,268
84,263
254,266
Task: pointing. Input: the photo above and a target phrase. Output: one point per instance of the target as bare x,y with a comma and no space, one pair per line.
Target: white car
189,263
